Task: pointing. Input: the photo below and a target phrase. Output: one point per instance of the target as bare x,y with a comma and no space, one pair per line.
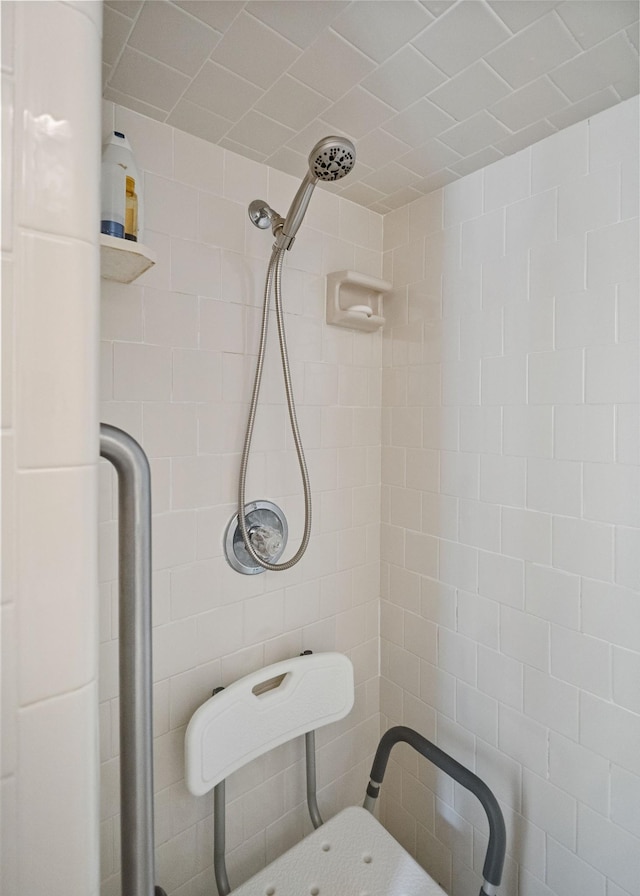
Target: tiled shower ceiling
429,91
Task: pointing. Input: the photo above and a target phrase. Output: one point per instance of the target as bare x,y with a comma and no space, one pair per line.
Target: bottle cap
131,185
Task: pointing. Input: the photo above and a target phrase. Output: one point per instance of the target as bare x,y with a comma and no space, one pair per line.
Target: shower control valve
267,534
266,542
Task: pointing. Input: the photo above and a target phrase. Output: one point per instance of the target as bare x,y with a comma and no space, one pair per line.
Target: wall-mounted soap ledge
355,300
123,260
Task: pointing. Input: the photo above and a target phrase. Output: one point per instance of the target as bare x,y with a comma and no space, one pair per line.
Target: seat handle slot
270,684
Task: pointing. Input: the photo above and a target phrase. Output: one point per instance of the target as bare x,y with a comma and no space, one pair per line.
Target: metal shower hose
274,273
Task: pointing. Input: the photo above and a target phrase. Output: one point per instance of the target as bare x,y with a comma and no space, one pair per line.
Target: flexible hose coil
273,278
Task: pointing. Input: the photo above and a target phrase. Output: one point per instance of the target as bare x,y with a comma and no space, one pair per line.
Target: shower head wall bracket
262,215
354,300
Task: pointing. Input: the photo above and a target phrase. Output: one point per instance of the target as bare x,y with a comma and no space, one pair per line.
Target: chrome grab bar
136,729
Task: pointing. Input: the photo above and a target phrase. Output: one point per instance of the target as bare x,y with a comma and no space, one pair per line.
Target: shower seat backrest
263,710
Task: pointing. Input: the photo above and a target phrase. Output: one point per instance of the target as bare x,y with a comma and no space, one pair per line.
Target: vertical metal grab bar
136,730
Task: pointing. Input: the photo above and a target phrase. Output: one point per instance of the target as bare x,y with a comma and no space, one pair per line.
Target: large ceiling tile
517,14
526,137
429,90
584,109
173,37
379,148
607,63
218,15
129,8
254,51
418,123
474,134
461,36
523,107
220,91
591,23
292,103
470,91
198,121
148,80
380,27
117,29
437,7
430,157
536,50
331,66
259,133
285,18
403,79
390,179
357,113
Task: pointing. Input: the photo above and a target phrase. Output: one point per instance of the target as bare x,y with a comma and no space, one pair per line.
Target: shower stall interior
475,470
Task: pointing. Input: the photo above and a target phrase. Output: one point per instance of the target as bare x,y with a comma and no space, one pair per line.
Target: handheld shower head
330,159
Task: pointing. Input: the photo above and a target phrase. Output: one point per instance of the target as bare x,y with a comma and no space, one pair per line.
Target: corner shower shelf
123,260
354,300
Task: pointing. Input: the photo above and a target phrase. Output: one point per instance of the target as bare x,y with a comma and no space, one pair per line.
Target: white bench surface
350,855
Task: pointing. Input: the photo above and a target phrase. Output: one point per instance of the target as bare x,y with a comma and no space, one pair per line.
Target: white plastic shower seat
263,710
350,855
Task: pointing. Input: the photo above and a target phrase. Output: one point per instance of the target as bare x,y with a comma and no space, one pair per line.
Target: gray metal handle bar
494,860
136,737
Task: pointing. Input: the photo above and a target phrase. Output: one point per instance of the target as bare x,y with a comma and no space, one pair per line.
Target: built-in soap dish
355,300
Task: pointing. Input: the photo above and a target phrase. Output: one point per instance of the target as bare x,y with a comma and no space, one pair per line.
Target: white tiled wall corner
568,873
580,772
51,572
63,270
50,137
65,844
610,730
611,254
551,809
534,451
609,848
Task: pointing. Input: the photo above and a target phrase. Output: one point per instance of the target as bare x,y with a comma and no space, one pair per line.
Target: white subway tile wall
515,419
180,346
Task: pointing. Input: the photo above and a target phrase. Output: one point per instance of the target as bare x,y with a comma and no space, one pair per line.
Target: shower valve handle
266,541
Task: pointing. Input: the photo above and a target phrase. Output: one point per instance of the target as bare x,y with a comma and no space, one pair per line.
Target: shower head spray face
332,158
